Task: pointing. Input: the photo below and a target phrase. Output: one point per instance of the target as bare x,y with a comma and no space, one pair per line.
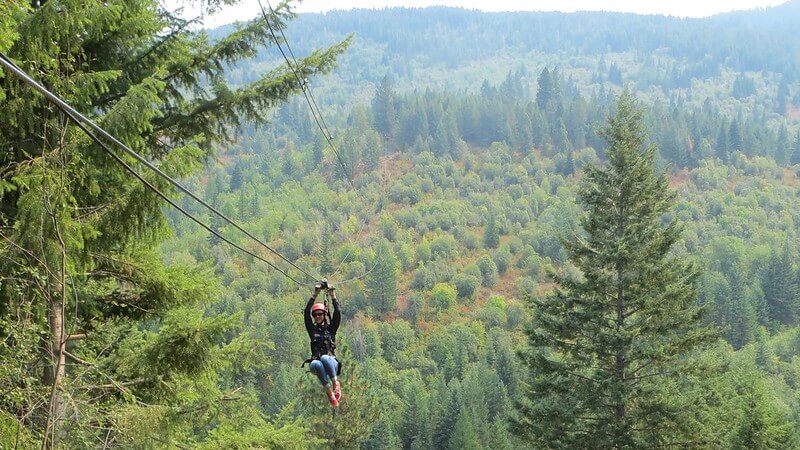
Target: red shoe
332,397
337,389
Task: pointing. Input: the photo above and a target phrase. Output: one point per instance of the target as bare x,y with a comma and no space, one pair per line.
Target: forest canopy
460,181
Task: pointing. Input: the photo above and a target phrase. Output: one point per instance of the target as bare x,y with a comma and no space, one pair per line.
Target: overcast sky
247,9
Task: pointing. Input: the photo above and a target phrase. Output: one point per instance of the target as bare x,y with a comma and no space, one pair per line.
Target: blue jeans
325,368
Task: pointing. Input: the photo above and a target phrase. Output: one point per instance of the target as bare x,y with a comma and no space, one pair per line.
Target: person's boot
332,397
337,389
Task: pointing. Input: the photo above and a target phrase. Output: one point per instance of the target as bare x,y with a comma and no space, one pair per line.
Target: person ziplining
323,340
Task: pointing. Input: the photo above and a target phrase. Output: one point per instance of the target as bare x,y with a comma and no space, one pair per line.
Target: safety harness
327,346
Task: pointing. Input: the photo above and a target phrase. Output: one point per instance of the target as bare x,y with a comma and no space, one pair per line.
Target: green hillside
454,211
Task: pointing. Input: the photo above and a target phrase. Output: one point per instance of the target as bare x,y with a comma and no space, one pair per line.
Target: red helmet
318,307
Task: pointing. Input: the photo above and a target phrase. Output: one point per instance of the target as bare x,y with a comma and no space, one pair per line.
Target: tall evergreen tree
464,436
723,148
783,146
780,288
491,234
608,350
444,416
413,424
384,109
381,282
545,91
326,263
735,138
795,152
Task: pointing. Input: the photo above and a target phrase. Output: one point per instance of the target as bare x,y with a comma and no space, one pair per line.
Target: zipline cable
172,202
326,130
159,193
306,91
315,112
78,117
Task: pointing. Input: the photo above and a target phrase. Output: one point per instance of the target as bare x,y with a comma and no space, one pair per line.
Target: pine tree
326,264
216,224
735,137
383,436
780,289
608,350
795,152
384,112
561,137
764,422
358,412
381,282
84,230
722,148
463,435
783,146
413,425
491,234
447,406
544,93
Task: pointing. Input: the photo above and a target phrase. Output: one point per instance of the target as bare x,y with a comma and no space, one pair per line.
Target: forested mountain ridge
466,168
401,39
699,78
577,34
468,185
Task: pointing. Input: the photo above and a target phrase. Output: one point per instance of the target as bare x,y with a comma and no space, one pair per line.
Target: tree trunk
620,358
55,371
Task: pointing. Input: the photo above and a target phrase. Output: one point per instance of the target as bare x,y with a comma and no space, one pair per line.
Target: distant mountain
756,40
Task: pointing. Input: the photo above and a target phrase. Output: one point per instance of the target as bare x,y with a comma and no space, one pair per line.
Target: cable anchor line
80,120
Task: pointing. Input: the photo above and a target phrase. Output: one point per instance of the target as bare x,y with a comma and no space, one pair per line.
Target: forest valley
545,230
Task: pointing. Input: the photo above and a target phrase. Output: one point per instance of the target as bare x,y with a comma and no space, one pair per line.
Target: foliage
608,350
466,161
113,324
350,424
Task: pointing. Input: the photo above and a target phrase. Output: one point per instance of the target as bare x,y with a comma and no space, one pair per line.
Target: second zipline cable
82,121
75,115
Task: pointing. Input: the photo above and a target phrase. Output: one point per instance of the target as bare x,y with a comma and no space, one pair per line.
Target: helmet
318,307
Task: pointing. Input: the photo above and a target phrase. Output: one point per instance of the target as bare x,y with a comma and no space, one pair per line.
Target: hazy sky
682,8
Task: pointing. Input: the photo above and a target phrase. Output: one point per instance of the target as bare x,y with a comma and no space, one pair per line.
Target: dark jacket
323,338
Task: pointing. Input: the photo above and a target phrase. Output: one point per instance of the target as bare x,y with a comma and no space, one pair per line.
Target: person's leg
332,367
318,369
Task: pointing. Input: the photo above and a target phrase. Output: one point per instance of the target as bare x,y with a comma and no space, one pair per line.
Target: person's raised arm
337,312
307,311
